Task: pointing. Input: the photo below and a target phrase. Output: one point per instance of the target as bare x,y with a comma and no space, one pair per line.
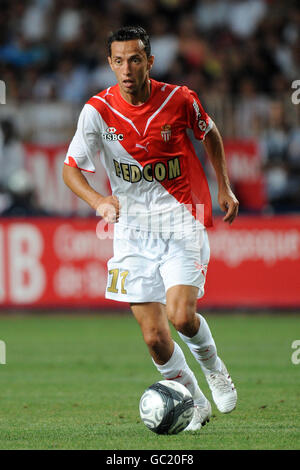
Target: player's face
131,65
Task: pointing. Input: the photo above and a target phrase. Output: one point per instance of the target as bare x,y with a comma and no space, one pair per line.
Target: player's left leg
184,272
167,355
195,332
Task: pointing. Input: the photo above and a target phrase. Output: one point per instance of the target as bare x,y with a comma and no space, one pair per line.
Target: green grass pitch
74,382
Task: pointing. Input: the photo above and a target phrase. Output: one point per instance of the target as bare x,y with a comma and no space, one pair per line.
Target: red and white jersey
149,159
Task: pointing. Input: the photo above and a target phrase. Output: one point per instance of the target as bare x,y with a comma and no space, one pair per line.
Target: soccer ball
166,407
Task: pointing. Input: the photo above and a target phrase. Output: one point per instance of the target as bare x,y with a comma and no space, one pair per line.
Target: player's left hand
229,204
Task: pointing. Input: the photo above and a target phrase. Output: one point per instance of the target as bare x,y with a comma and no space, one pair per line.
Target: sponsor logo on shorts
201,267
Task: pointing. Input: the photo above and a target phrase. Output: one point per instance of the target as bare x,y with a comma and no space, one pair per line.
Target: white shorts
145,265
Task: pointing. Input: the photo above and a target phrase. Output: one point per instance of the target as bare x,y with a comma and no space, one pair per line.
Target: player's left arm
214,148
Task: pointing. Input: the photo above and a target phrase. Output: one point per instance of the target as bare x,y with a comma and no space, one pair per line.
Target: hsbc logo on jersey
111,136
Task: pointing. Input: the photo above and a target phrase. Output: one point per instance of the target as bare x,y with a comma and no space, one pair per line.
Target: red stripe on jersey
71,162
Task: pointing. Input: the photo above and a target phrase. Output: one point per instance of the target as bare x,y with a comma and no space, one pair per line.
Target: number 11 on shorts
115,273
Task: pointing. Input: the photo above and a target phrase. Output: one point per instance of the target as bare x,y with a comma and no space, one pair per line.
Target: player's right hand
109,209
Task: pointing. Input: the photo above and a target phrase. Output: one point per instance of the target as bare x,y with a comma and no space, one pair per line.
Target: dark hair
127,33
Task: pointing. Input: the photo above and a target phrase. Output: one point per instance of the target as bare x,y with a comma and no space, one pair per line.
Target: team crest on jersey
110,135
166,132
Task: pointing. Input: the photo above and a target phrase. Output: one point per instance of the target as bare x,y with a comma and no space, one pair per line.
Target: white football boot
223,390
201,416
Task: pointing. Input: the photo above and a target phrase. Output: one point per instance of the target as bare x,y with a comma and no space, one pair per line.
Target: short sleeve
86,142
197,119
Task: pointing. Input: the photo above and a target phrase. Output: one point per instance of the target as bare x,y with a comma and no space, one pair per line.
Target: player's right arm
80,157
106,206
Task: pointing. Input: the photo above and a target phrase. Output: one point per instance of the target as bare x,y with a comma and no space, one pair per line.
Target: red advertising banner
254,263
245,172
45,165
56,262
52,262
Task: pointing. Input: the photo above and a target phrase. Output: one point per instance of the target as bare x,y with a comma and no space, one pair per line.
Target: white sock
177,369
203,347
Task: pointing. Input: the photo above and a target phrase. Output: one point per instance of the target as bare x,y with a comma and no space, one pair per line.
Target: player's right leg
168,357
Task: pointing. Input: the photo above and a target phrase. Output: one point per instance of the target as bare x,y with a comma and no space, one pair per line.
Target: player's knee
155,339
182,317
181,323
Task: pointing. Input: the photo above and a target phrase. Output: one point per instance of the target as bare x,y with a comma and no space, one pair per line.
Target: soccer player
161,207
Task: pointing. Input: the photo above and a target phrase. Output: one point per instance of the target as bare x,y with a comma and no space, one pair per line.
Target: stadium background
74,382
241,57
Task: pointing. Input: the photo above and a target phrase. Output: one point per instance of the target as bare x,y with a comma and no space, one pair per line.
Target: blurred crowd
240,56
